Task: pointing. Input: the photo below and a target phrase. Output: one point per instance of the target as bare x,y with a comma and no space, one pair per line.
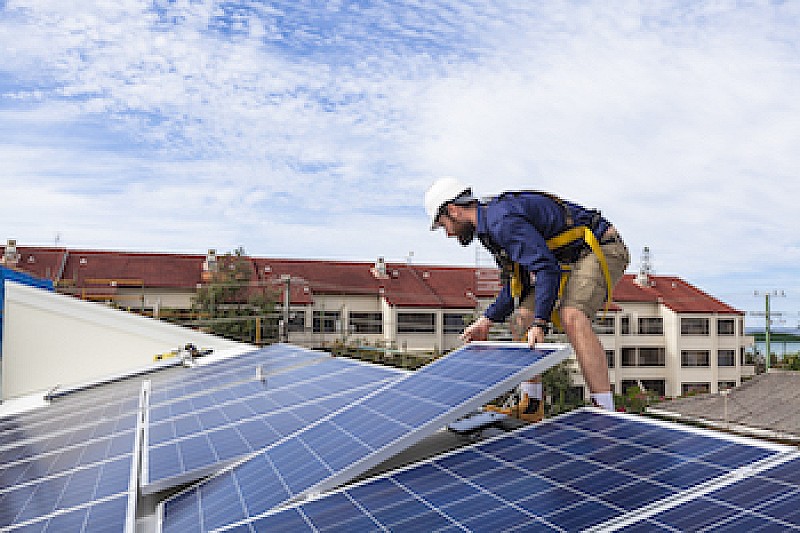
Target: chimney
645,269
379,270
10,256
210,266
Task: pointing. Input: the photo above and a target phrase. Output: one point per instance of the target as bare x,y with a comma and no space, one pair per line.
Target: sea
779,348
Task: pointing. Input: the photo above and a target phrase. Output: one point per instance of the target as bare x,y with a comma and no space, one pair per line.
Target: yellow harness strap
516,284
568,237
562,239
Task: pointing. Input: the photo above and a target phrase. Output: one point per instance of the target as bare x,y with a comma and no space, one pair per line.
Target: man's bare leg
588,350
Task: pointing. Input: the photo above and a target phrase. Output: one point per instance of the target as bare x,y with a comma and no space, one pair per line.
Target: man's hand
477,331
535,336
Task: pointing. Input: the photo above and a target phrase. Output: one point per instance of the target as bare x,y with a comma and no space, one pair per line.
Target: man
533,236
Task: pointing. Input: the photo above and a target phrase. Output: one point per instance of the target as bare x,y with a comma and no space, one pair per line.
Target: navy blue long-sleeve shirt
519,224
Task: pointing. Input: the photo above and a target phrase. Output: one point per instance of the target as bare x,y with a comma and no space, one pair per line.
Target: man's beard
465,232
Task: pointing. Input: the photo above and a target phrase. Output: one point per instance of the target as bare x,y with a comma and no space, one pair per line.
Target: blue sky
312,129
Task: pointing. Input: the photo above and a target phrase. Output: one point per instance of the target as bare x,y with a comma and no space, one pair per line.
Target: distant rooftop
767,405
401,284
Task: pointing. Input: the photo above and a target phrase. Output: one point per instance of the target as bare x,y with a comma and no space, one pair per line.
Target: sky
311,129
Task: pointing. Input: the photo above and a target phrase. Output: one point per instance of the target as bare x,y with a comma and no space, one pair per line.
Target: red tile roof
675,293
403,285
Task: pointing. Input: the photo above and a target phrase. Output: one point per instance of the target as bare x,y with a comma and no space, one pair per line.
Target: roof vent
379,270
645,269
211,264
11,257
426,275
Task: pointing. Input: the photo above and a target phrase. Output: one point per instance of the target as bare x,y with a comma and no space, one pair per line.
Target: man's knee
573,319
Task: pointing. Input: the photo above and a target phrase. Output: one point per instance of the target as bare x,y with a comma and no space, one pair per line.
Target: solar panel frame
302,380
514,361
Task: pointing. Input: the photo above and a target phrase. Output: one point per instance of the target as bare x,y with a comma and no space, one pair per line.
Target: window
610,358
625,325
325,321
694,326
725,385
627,384
726,326
604,326
655,386
454,323
651,326
629,357
695,388
366,322
297,321
644,357
652,357
726,358
694,358
416,323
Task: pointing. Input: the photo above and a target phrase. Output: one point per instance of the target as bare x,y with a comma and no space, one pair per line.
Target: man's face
455,226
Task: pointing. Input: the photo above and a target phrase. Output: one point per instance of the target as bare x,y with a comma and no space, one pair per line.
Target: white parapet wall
51,340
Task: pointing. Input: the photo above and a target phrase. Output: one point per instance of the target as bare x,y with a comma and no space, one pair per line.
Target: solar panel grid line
161,407
482,490
282,440
51,472
738,515
187,474
256,392
85,507
251,378
255,415
203,377
59,460
762,465
298,505
694,493
555,354
60,428
766,497
497,366
231,368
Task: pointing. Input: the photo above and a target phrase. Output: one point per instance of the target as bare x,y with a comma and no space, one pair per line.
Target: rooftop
401,284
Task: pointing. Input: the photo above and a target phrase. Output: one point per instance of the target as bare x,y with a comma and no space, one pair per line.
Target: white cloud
281,126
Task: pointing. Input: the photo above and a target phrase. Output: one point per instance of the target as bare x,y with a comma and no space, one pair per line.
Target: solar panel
190,439
79,479
585,470
350,441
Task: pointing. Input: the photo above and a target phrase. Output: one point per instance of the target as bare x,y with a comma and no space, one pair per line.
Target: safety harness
567,237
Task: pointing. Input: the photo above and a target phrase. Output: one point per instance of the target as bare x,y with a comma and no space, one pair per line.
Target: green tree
230,303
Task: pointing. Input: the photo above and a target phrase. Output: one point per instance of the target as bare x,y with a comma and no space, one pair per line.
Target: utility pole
768,319
286,278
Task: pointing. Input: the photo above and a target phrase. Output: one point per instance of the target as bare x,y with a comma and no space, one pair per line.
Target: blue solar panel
526,481
769,500
78,479
348,442
190,439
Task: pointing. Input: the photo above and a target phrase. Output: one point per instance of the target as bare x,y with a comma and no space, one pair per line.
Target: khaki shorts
586,285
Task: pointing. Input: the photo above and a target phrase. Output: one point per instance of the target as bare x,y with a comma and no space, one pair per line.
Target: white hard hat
443,191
